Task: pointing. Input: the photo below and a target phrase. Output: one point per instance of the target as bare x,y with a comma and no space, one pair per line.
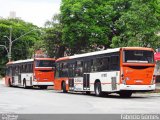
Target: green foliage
53,37
86,22
156,6
111,23
137,26
20,48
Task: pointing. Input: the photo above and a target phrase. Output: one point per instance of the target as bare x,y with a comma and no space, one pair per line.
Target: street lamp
9,52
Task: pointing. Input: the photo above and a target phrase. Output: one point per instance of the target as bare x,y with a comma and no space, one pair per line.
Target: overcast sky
35,11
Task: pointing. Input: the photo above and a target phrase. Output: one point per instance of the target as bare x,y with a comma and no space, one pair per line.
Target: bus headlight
66,81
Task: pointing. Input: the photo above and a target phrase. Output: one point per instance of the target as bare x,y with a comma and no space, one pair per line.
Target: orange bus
120,70
31,72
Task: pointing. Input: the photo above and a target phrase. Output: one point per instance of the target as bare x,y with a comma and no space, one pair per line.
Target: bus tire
98,89
125,94
64,87
24,84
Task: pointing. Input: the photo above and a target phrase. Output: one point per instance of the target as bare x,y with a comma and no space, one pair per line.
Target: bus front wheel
24,84
98,89
64,87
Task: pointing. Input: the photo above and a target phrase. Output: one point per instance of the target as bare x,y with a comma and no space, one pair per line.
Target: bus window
79,68
71,68
64,71
115,64
16,70
93,65
44,63
87,66
138,56
57,70
105,62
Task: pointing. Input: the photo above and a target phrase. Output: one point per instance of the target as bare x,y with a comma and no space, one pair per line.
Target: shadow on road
105,96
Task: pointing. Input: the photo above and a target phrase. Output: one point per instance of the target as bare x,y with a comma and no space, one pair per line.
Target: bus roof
103,52
20,61
44,59
28,60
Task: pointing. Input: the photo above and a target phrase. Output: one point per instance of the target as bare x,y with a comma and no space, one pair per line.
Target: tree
111,23
53,37
137,26
20,49
85,23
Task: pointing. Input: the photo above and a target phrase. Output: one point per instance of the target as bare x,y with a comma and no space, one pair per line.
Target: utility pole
10,44
9,52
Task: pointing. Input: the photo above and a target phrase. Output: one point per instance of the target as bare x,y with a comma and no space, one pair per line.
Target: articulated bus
120,70
31,72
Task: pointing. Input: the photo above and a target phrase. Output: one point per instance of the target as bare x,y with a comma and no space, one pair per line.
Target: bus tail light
34,77
153,80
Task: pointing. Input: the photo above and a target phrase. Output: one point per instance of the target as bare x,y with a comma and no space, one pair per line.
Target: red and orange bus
120,70
31,72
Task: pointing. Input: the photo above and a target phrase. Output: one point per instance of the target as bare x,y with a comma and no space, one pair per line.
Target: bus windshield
44,63
138,56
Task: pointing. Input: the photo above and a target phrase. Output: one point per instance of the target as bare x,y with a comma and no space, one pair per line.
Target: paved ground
19,100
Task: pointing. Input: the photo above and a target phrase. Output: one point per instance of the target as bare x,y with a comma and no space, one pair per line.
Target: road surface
35,101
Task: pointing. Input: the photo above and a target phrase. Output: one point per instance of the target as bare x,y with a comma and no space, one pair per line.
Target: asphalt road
35,101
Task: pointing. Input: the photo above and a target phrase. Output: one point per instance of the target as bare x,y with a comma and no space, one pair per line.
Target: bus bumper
43,83
138,87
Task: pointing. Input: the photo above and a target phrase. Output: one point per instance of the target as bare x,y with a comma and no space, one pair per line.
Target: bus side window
32,67
106,63
65,70
87,66
79,68
16,70
93,65
99,64
19,69
23,68
57,71
60,69
115,65
27,68
71,68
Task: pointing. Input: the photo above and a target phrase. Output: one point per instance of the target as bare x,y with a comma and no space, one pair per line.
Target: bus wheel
98,89
64,87
125,94
24,84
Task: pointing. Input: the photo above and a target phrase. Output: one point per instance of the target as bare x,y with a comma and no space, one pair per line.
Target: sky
34,11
